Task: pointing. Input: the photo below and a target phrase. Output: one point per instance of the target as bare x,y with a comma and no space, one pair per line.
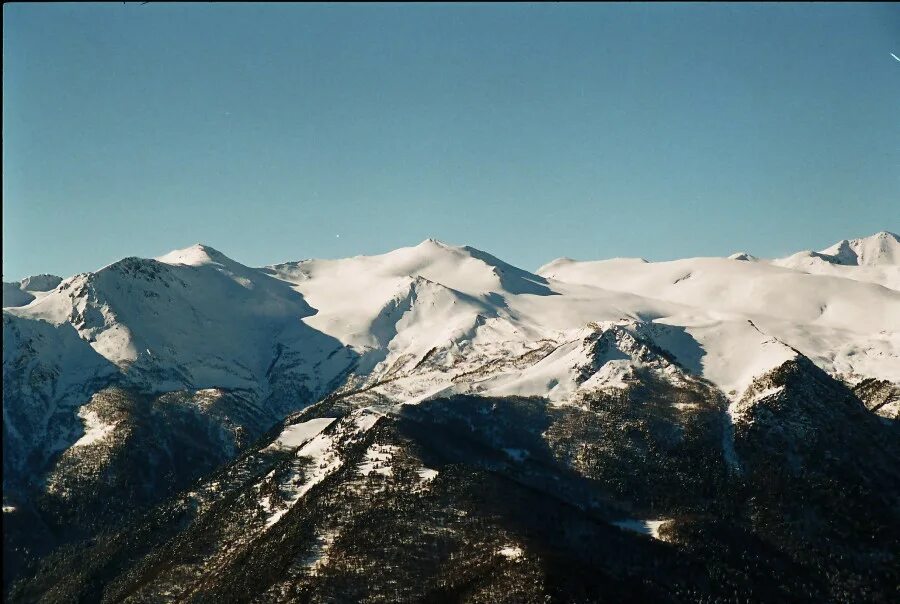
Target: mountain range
435,424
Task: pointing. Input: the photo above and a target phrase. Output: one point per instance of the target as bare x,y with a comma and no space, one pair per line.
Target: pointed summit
431,241
880,249
195,255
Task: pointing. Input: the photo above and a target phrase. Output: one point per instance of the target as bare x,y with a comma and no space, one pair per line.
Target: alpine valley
436,425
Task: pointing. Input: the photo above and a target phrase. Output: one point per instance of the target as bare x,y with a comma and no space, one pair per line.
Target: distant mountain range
434,424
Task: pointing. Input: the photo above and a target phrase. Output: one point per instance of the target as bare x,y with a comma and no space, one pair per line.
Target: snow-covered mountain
194,318
20,293
875,259
881,249
125,385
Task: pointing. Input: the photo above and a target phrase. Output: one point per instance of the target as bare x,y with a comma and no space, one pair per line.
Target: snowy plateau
433,424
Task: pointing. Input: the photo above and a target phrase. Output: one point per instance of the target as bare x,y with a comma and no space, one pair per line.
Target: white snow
40,283
436,319
746,316
724,320
874,259
767,393
513,552
815,264
192,319
266,504
21,293
879,249
728,450
324,460
377,460
95,430
320,457
427,474
14,295
643,527
366,419
299,434
890,410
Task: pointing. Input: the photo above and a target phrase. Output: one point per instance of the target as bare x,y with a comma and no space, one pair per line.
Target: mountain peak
882,248
40,283
20,293
195,255
436,246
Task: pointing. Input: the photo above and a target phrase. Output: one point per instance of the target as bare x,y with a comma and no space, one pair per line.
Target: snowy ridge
20,293
879,249
436,319
435,391
48,373
204,322
874,259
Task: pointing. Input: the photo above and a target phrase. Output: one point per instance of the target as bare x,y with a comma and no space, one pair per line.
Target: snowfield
437,319
436,413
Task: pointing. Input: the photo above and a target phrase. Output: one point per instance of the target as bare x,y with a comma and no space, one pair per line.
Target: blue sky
281,132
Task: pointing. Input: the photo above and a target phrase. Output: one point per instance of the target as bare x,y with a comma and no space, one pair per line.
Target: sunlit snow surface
644,527
320,452
377,460
726,320
427,474
513,552
95,430
299,434
436,319
323,461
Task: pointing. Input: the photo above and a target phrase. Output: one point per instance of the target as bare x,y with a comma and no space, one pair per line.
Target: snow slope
736,310
20,293
710,348
405,303
727,320
436,319
48,372
193,318
876,250
874,259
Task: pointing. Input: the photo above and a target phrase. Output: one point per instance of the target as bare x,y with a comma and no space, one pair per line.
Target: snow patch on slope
95,430
643,527
323,459
297,435
512,552
318,458
377,460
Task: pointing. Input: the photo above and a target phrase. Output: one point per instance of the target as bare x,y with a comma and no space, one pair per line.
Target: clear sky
282,132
